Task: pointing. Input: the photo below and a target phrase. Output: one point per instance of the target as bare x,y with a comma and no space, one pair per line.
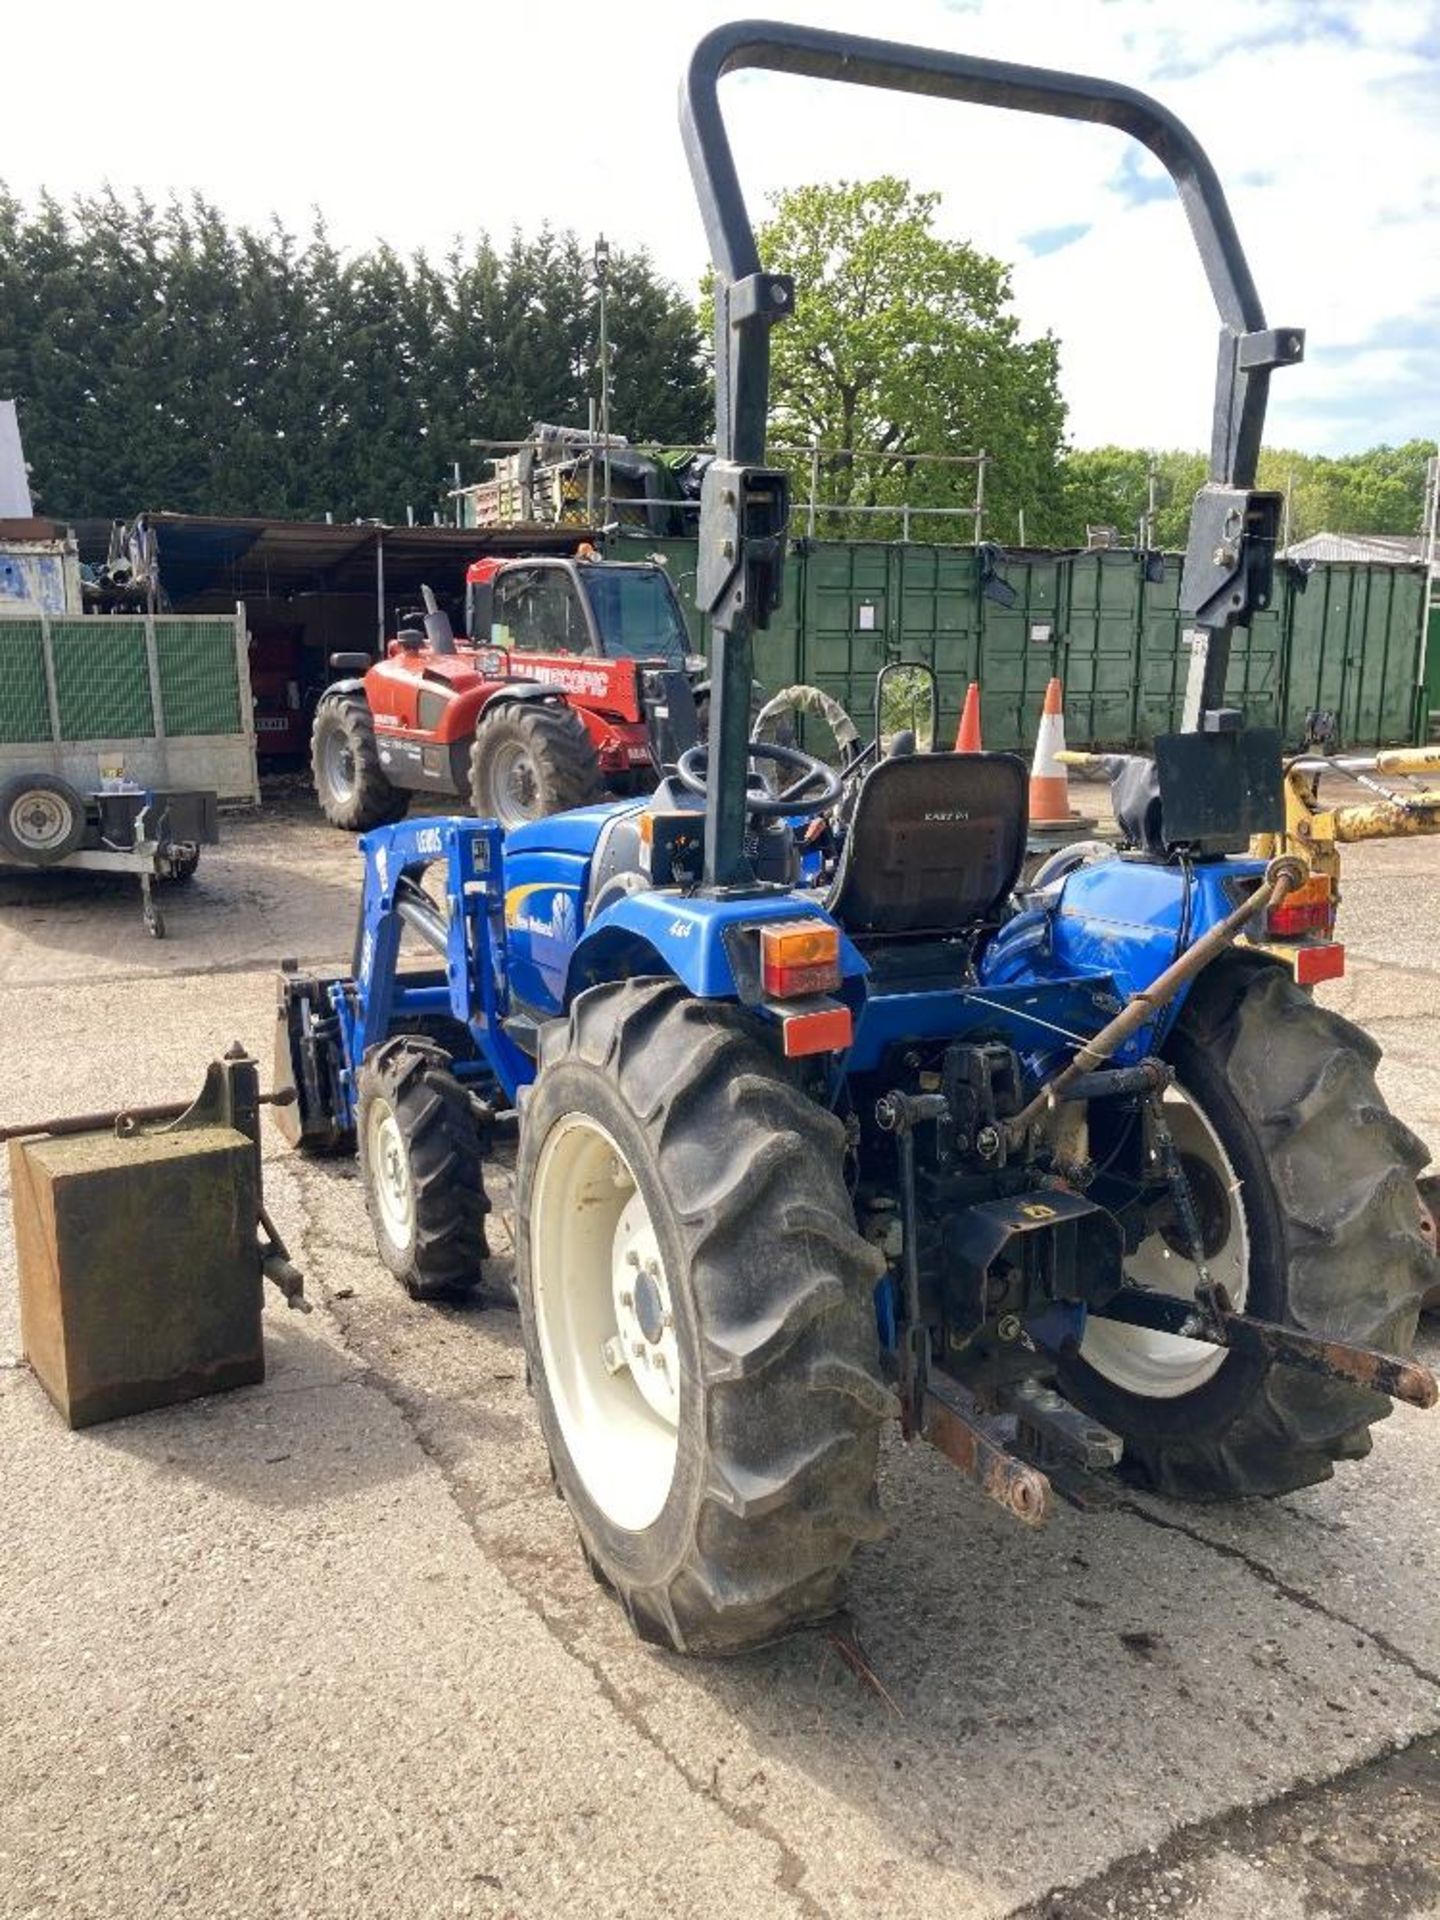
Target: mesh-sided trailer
166,694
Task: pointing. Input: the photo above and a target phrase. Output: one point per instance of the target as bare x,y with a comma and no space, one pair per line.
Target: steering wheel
693,769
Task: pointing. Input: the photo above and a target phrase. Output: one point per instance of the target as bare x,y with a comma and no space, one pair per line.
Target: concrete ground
327,1647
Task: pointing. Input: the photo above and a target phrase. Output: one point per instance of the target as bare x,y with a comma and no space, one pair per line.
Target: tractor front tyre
421,1168
1305,1187
699,1320
532,758
350,783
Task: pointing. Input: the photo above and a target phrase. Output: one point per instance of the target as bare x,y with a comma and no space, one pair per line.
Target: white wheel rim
516,785
39,820
390,1176
339,765
1163,1366
605,1324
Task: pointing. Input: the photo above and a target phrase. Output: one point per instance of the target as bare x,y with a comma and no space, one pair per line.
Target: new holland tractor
1064,1180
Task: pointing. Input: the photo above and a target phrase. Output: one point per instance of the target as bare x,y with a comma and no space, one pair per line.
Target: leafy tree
1378,491
903,343
162,358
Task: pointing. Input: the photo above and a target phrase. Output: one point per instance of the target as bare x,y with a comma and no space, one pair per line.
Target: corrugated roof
1385,549
208,555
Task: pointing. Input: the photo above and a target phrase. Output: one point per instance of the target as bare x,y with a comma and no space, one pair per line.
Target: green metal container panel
779,648
24,703
1430,702
1254,682
199,684
1355,650
940,621
1020,642
1101,643
1344,637
102,678
851,612
1161,662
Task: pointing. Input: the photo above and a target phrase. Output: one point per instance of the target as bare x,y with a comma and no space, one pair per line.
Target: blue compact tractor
825,1119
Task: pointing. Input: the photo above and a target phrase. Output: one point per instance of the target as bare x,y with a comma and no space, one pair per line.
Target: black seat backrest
935,846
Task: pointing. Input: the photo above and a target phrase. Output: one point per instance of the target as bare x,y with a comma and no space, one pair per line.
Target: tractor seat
935,845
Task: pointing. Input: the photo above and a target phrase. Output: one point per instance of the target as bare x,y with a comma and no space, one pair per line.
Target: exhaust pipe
438,630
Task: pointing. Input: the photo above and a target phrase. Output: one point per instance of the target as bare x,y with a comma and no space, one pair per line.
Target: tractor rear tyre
699,1319
350,783
42,818
532,758
1305,1185
421,1167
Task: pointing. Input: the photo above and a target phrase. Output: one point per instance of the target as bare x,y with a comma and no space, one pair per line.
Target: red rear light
799,957
827,1030
1324,961
1308,909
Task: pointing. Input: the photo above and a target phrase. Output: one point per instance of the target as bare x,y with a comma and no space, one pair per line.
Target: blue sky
1322,117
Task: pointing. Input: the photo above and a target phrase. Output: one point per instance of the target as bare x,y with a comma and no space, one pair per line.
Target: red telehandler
551,701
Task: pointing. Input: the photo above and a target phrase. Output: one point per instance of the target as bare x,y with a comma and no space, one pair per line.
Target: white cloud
1322,118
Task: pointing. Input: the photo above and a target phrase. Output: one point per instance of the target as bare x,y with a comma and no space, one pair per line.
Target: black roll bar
1226,573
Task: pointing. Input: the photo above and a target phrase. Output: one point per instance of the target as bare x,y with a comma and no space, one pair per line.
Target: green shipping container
1345,637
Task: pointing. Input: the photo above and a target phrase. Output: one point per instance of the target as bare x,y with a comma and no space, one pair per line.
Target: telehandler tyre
350,783
698,1317
1305,1187
421,1167
532,758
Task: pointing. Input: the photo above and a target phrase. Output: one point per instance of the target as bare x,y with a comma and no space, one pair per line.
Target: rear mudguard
338,688
1126,918
695,940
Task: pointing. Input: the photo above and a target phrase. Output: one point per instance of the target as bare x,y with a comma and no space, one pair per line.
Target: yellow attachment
1092,765
1317,833
1387,819
1408,760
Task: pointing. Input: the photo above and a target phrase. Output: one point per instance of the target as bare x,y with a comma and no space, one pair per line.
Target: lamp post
602,283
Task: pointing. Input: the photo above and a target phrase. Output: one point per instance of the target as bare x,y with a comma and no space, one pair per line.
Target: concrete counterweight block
139,1274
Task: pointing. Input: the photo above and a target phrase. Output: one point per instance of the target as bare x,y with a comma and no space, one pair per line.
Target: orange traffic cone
1049,783
967,734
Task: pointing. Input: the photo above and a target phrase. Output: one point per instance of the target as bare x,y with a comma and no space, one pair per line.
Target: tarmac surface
327,1646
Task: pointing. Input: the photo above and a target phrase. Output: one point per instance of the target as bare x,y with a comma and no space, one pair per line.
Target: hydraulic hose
1282,876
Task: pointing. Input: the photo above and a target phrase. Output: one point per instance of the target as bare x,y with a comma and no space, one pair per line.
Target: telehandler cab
1062,1180
550,699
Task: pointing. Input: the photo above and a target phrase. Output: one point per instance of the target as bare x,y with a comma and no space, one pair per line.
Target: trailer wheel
42,818
532,758
699,1322
350,783
421,1167
1305,1185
